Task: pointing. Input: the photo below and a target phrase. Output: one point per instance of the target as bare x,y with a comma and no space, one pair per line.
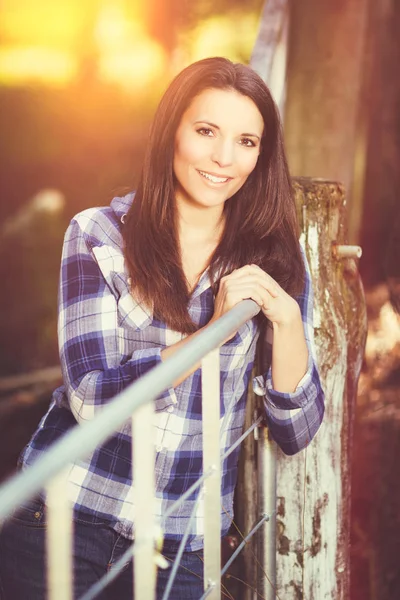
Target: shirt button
170,409
158,448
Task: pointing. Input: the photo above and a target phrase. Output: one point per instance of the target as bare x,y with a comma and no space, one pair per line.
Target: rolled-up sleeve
294,419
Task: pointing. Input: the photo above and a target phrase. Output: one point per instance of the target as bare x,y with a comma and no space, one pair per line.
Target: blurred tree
165,18
380,233
325,70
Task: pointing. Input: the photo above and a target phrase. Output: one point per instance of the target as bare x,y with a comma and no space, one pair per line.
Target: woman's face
216,147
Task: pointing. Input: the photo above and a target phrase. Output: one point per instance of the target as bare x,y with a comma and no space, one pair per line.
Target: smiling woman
213,143
213,222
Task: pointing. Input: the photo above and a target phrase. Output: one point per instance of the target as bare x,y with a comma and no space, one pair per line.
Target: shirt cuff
303,394
145,360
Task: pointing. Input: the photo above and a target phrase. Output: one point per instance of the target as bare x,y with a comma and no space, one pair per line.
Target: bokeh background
79,82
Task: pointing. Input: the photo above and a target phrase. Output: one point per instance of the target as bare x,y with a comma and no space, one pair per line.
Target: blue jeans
96,548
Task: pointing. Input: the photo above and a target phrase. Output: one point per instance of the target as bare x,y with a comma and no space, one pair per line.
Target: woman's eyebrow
217,127
206,123
251,135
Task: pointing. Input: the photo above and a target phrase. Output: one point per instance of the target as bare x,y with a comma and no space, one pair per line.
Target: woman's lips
213,178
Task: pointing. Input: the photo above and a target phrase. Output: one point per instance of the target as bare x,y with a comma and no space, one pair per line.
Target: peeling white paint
320,462
313,238
313,257
312,490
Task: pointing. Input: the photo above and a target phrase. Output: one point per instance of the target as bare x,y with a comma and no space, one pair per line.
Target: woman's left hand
281,309
289,348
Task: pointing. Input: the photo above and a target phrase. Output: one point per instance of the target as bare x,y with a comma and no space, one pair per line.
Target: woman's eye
247,142
205,131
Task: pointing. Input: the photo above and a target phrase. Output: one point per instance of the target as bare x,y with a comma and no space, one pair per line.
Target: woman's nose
223,153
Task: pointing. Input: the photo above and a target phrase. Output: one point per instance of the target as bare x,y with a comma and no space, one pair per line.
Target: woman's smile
213,178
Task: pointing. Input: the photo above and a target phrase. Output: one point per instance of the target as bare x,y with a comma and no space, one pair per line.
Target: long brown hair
260,226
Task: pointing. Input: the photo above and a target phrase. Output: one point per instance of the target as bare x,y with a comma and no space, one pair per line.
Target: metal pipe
59,538
210,383
248,537
143,493
253,427
344,251
266,572
208,591
181,549
111,575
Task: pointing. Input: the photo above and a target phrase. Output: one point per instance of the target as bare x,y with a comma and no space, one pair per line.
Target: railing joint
265,516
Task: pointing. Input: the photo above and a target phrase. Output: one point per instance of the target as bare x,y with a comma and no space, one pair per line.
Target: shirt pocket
131,314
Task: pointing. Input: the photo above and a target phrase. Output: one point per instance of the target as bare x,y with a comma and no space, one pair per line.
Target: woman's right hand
247,282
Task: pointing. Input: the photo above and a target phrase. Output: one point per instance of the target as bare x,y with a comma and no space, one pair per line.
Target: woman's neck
200,232
200,224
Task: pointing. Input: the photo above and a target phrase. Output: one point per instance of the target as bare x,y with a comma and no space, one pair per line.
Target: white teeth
213,178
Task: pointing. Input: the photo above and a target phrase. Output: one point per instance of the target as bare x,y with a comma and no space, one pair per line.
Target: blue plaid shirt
107,340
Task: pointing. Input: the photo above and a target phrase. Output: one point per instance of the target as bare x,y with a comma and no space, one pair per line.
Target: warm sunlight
126,54
52,43
19,64
134,67
44,22
113,28
46,42
231,35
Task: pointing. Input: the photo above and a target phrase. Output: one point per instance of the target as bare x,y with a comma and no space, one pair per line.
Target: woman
212,222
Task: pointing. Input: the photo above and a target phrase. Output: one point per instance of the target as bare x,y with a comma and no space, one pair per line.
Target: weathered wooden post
313,487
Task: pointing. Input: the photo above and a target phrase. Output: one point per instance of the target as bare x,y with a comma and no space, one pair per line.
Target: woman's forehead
225,108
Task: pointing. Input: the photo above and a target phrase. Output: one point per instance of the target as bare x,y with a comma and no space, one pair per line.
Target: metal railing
136,403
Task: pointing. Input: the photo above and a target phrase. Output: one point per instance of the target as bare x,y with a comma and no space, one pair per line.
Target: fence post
59,538
143,455
266,572
313,487
210,379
